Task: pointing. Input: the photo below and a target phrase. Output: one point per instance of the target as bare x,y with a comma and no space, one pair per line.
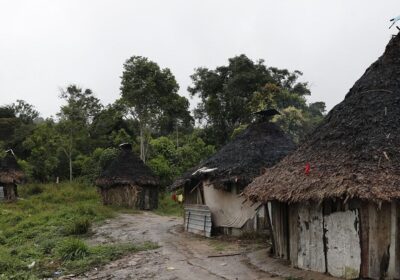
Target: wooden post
271,229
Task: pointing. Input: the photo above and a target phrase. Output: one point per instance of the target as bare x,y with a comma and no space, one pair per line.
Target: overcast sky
46,45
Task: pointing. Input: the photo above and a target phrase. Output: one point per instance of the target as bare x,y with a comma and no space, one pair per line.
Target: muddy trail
181,255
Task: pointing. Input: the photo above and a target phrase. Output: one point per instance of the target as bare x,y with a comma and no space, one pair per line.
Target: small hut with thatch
216,184
11,174
128,182
335,201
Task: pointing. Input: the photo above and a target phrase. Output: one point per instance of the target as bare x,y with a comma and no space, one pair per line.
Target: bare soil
181,255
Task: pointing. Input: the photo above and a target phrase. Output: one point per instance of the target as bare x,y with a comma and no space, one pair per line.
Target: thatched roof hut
214,186
259,146
10,171
127,181
11,174
355,152
334,201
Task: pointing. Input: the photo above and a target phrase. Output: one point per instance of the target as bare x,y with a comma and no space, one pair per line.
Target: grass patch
100,255
168,207
221,245
47,227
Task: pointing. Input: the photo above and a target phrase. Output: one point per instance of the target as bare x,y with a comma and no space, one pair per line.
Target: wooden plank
311,246
279,224
343,244
272,234
364,239
379,239
397,245
293,234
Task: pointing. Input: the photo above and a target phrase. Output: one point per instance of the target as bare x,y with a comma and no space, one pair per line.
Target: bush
168,207
79,226
47,246
72,249
33,189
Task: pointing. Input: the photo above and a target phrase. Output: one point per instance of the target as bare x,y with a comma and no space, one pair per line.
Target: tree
293,122
25,111
16,124
151,93
168,161
225,93
75,118
43,144
106,125
8,123
231,94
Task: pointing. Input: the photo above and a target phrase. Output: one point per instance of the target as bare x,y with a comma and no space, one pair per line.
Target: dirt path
181,255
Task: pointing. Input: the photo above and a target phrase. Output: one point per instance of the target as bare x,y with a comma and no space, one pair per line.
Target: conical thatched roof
126,169
355,152
260,145
10,171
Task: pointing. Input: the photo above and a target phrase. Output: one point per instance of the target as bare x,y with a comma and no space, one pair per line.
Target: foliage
168,207
16,123
155,119
230,94
78,226
72,249
151,94
43,144
25,111
169,161
33,229
75,117
91,166
33,189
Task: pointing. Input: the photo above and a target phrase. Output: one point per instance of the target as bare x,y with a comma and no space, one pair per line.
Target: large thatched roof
260,145
10,171
126,169
355,152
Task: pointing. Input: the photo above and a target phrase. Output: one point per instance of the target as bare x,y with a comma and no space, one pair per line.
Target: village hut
128,182
335,201
212,189
10,175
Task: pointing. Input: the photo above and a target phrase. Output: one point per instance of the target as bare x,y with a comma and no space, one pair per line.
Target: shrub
33,189
47,246
72,249
3,239
79,226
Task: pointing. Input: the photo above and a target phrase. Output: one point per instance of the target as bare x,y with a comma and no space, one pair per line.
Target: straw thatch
355,152
260,145
126,169
10,171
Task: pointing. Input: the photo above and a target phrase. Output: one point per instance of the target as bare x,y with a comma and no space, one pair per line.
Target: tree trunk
70,168
142,154
70,158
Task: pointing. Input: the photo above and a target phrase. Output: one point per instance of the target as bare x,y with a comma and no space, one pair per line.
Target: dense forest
84,135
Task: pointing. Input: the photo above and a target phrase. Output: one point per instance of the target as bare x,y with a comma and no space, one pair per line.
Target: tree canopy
230,94
150,114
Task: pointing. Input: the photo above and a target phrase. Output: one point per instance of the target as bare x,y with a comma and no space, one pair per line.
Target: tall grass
168,207
47,227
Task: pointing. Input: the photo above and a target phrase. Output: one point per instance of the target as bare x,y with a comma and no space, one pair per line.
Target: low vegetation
43,234
168,207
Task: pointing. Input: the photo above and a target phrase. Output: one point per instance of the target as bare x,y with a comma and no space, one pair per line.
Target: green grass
48,226
168,207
